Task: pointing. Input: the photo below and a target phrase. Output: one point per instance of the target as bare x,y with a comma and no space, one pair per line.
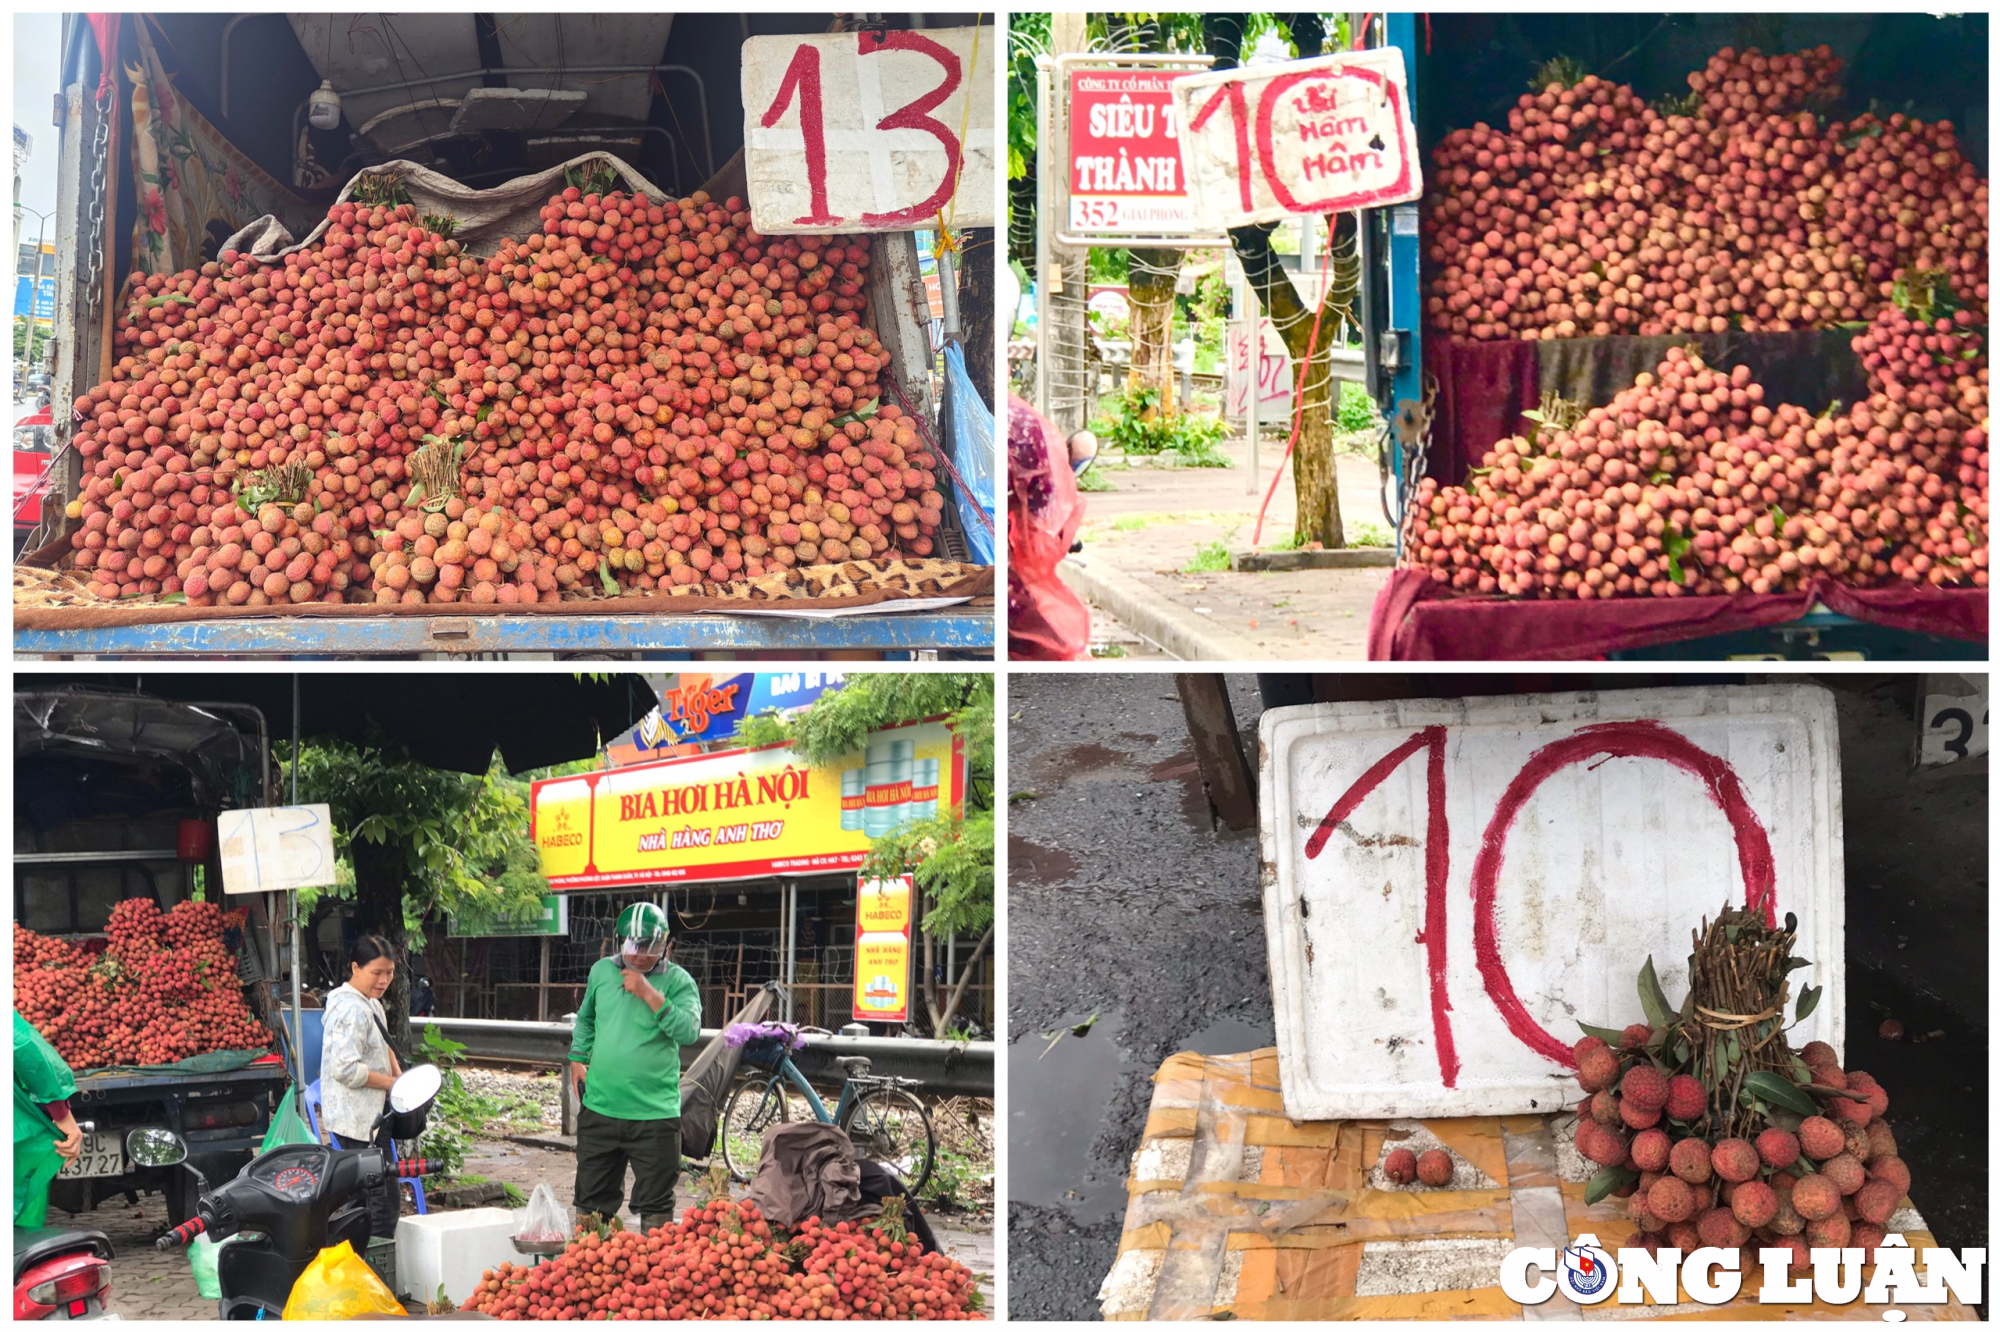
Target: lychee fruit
1721,1230
1651,1149
1794,1249
1881,1142
1868,1238
1633,1036
1842,1110
1777,1148
1651,1243
1643,1215
1401,1166
1830,1233
1597,1070
1636,1118
1435,1168
1754,1203
1602,1145
1857,1141
1644,1087
1585,1046
1878,1098
1817,1053
1828,1075
1787,1221
1689,1160
1876,1201
1892,1169
1603,1108
1686,1098
1816,1198
1671,1200
1821,1138
1684,1237
1735,1160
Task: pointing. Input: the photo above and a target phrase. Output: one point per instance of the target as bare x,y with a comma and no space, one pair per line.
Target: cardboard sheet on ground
1236,1211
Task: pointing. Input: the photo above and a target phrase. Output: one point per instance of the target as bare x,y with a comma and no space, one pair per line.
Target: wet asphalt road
1126,905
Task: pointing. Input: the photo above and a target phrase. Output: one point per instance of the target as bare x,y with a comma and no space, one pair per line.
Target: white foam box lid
1618,847
454,1249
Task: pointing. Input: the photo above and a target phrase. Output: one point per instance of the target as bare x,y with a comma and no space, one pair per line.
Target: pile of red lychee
1829,1180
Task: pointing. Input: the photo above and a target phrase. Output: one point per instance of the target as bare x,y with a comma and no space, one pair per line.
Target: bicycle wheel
756,1106
891,1126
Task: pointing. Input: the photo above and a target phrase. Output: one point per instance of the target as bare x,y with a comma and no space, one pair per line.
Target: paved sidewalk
1140,538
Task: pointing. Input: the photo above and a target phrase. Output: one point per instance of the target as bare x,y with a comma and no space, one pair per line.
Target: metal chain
95,209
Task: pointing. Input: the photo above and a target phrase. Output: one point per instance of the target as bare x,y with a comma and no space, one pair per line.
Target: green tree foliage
421,844
951,856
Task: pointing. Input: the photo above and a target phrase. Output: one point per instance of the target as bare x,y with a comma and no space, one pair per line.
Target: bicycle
881,1115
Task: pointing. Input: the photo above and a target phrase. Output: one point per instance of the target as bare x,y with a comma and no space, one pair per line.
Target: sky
37,42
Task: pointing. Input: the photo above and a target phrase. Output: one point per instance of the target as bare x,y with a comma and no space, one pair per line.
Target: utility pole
1060,274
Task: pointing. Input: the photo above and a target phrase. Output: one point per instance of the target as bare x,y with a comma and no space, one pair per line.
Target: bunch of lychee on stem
1718,1134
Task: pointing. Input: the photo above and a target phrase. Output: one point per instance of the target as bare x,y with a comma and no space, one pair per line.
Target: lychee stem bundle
1734,1017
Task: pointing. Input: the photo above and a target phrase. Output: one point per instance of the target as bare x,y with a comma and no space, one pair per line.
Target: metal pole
1256,341
948,294
298,1015
1044,260
542,989
791,945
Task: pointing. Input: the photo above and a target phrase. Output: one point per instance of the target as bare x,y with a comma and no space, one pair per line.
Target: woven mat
1236,1211
58,601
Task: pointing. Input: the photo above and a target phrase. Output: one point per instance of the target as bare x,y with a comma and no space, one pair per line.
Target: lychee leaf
1605,1034
1788,1120
1607,1181
1801,1072
1652,997
1808,1000
1779,1091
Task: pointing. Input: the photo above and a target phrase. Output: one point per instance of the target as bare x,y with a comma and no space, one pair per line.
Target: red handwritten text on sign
1314,136
1124,153
860,131
1632,739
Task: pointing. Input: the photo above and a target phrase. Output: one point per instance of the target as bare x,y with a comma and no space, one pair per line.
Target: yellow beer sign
742,814
882,949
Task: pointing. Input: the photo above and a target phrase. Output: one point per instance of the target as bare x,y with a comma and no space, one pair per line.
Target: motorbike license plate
102,1154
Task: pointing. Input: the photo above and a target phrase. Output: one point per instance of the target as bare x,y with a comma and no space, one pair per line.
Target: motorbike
61,1272
291,1202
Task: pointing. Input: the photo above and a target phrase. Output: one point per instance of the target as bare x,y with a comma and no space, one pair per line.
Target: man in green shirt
638,1011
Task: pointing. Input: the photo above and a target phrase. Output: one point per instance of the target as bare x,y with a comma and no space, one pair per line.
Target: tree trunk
941,1018
976,294
1314,475
1151,291
379,869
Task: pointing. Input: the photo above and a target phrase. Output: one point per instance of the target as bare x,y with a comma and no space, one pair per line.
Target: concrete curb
1289,561
1157,619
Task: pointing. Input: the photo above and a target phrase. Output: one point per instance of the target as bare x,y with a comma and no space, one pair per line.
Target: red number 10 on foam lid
1307,136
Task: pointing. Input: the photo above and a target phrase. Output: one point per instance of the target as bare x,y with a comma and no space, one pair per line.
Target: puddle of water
1028,863
1185,769
1232,1035
1090,758
1057,1108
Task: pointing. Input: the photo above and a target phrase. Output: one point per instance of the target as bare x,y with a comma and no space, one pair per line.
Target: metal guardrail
962,1068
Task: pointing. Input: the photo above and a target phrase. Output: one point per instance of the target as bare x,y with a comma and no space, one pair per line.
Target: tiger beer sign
741,814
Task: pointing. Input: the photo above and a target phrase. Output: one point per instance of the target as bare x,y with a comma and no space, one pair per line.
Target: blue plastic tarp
969,428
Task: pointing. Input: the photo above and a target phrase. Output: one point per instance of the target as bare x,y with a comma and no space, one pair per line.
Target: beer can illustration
853,798
924,791
887,793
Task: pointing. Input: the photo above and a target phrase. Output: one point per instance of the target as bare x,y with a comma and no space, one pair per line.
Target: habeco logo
564,834
1586,1274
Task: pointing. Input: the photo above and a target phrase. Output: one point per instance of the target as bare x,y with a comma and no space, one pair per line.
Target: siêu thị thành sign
1124,153
741,814
1307,136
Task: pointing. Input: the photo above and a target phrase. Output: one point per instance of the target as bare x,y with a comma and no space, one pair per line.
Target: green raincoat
40,1077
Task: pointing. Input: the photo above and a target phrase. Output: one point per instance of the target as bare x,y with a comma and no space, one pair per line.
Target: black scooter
289,1203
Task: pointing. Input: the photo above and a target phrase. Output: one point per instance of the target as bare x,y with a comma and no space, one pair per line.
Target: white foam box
1450,885
453,1250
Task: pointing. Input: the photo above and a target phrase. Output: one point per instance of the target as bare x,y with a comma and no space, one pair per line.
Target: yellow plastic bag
340,1285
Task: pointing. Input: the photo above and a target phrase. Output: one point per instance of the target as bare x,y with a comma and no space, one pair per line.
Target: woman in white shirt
357,1067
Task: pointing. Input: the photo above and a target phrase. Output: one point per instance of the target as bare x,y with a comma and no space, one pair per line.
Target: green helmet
644,924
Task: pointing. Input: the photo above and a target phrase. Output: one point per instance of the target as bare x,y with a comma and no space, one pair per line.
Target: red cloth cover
1418,619
1483,387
